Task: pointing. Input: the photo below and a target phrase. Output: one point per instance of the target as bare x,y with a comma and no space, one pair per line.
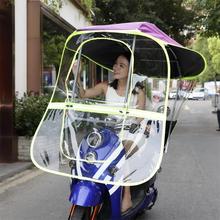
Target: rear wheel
83,213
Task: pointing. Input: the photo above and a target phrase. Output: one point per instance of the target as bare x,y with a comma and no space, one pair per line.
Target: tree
54,5
53,47
54,38
210,49
171,16
208,13
214,50
213,21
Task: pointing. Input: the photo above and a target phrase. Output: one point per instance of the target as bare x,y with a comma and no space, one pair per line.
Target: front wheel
83,213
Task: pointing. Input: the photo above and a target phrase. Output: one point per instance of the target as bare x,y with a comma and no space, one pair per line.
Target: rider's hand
74,67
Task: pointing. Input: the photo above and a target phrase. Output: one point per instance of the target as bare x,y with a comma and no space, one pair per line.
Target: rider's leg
126,201
130,148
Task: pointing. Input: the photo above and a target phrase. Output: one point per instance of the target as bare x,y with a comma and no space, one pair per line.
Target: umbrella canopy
184,62
144,27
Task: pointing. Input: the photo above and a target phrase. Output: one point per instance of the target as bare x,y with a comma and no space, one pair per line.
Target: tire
80,213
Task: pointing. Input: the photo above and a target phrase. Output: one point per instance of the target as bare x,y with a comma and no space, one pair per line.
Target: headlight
90,157
94,139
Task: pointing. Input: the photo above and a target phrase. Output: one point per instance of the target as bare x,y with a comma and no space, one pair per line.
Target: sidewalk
8,170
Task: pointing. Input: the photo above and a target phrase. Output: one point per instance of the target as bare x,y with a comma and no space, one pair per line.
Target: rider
115,92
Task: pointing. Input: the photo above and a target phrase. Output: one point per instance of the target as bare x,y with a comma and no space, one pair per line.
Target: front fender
85,193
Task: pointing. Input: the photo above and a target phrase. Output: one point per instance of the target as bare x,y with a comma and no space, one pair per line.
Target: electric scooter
90,134
89,198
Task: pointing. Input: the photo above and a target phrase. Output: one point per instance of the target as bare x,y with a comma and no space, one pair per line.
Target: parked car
190,95
173,94
180,94
199,93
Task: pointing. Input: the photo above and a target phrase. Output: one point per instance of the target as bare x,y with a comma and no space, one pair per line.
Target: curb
15,170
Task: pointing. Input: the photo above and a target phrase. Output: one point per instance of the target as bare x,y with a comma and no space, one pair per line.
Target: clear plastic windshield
118,149
113,137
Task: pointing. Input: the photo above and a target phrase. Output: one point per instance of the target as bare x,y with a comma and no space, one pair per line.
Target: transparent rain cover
64,134
103,142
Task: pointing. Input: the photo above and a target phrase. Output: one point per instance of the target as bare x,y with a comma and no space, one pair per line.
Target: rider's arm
97,90
140,104
141,99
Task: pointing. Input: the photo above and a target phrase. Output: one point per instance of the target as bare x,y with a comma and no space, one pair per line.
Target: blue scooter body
87,194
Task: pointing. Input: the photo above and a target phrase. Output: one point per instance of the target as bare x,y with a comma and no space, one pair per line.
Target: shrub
29,111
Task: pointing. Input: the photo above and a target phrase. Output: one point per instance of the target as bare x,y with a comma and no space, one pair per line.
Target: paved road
37,196
188,184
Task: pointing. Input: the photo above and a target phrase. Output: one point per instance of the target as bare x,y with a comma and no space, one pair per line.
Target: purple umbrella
144,27
184,62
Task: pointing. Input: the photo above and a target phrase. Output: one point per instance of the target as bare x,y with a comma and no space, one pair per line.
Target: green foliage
169,15
54,5
180,18
208,14
213,21
210,49
29,111
53,47
214,49
88,3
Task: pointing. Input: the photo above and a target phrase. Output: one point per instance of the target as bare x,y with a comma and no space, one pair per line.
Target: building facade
23,25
